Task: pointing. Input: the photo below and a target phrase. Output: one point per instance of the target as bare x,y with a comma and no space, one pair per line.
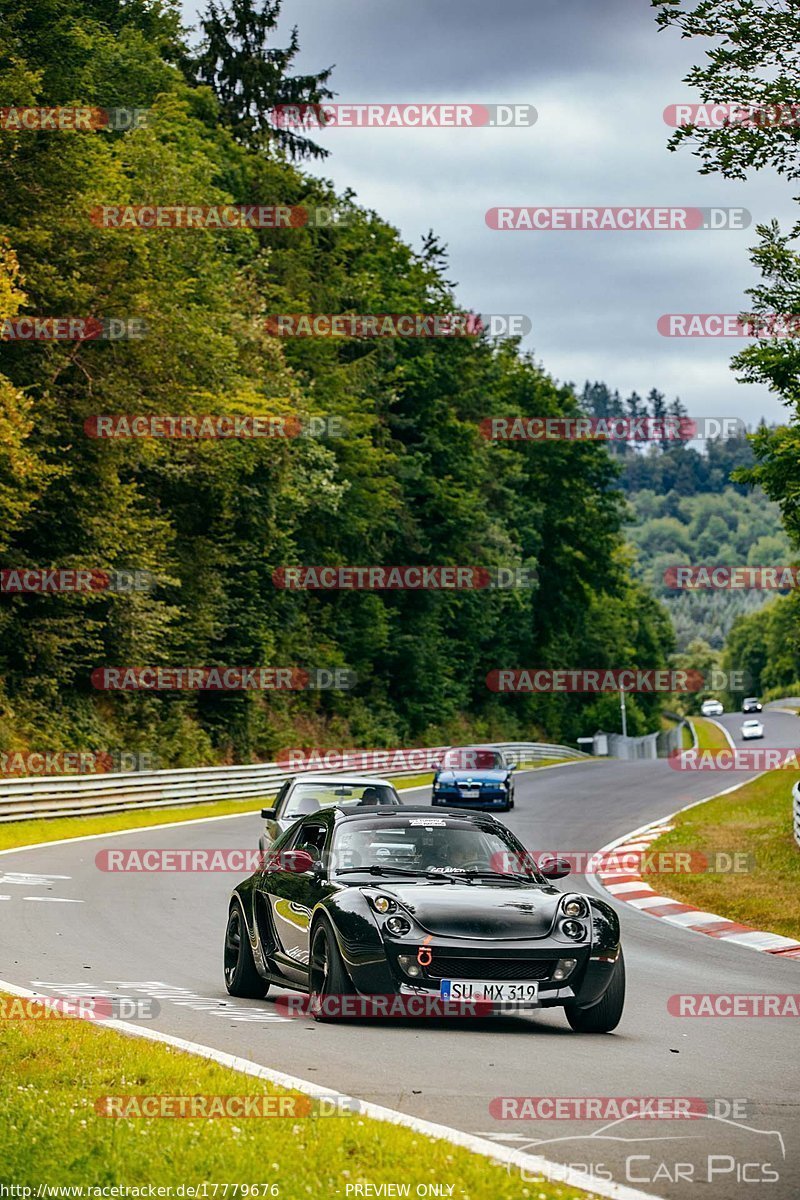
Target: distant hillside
686,509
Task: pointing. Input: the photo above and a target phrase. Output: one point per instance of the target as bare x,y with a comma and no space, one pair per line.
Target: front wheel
241,976
606,1014
328,977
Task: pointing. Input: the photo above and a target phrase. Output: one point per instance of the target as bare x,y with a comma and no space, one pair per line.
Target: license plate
488,989
470,793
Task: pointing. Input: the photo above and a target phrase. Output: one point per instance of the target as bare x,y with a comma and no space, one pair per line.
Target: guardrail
28,798
796,807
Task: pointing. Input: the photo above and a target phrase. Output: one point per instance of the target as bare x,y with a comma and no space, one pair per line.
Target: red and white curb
631,888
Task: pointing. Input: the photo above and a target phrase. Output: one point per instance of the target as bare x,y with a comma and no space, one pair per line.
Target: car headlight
572,929
383,904
576,906
399,926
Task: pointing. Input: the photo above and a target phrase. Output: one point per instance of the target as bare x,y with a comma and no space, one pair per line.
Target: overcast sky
600,74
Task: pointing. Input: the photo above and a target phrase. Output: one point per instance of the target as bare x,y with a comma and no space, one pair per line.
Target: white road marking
618,889
652,901
29,880
695,917
53,900
762,941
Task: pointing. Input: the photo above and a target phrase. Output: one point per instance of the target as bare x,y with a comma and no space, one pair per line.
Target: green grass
709,735
756,819
52,1072
686,738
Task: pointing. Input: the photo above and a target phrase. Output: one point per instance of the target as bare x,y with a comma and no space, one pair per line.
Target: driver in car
454,850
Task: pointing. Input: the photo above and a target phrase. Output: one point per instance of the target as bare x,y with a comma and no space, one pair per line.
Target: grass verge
756,819
709,735
52,1071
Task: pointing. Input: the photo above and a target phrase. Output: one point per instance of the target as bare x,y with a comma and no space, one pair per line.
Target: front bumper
512,961
489,798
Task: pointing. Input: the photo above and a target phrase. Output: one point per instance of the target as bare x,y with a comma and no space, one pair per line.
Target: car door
289,897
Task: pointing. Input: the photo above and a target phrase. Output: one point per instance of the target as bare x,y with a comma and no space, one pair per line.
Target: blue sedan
474,777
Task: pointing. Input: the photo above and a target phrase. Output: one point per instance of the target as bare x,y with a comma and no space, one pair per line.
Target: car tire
241,977
606,1014
328,975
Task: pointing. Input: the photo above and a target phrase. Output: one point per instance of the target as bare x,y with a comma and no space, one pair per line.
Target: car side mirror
318,869
298,862
268,813
512,766
554,868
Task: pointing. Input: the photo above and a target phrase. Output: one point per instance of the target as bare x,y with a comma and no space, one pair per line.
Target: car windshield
307,798
422,844
473,759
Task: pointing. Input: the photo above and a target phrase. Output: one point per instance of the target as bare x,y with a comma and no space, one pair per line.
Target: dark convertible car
417,902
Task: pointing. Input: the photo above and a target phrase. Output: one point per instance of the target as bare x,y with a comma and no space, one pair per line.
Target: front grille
445,967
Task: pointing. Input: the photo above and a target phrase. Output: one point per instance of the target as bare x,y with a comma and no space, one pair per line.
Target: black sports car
410,902
474,777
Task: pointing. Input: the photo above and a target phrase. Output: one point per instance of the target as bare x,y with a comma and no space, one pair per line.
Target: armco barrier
28,798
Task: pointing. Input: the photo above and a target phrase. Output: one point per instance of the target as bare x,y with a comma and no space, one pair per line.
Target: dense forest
411,481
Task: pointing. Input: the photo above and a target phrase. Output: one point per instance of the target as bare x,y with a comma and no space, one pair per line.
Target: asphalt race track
68,928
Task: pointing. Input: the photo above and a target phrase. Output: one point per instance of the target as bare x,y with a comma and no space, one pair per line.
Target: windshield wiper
499,875
377,869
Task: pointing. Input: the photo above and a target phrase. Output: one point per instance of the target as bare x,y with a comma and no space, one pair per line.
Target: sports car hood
474,910
475,776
